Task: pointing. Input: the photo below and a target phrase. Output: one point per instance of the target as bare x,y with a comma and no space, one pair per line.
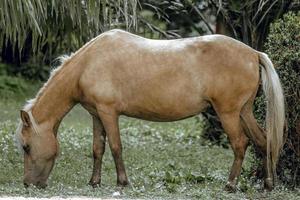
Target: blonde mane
64,59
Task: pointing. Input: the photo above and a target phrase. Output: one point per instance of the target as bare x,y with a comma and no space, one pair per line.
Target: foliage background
283,47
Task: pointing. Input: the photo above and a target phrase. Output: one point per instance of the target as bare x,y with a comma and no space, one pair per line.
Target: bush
283,47
16,88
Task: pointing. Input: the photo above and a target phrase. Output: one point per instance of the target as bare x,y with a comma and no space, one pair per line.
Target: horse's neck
57,99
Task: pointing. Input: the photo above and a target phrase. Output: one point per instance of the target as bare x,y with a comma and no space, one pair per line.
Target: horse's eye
26,148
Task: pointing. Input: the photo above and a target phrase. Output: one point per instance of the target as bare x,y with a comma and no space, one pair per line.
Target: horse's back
215,53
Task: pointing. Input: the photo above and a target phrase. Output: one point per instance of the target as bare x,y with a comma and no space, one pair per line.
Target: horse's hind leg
99,137
111,126
258,136
239,141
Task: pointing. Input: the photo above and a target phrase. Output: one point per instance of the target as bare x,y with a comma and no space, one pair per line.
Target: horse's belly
166,112
165,97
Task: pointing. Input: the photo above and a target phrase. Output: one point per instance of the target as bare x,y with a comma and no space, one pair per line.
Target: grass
163,161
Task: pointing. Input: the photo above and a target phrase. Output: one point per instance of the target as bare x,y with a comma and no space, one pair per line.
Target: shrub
16,88
283,47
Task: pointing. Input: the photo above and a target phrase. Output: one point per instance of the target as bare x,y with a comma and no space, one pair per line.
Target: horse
119,73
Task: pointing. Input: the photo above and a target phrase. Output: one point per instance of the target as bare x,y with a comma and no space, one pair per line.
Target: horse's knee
116,150
98,149
96,153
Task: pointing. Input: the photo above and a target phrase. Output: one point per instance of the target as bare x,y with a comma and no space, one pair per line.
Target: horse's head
40,148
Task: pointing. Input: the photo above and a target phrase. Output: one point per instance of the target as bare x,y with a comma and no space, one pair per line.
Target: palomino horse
118,73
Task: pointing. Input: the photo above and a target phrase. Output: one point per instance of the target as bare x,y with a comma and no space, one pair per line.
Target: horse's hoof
123,183
268,185
229,187
94,184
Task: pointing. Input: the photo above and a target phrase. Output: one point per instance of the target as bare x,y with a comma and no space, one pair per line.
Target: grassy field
163,161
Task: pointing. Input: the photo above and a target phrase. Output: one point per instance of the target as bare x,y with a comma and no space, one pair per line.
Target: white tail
275,112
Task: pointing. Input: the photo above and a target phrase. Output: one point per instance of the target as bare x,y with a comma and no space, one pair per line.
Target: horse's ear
25,118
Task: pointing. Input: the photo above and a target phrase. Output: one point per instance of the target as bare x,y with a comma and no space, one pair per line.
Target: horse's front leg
99,137
110,123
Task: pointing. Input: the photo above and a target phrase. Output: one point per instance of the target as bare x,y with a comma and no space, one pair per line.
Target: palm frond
54,21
